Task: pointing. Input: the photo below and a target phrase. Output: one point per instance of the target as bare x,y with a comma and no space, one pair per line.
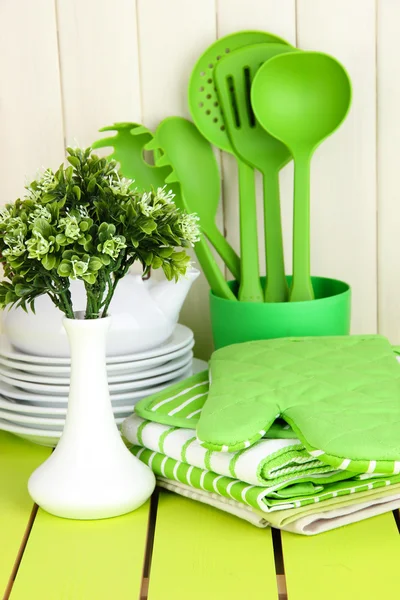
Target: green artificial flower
71,227
113,246
16,246
38,246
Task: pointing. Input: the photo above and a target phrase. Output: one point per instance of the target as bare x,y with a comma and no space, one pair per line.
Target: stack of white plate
34,389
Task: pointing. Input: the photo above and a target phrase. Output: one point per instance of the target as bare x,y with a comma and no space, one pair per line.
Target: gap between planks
21,551
279,564
277,545
149,545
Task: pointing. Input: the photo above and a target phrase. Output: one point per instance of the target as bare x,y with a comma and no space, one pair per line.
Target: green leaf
157,262
165,252
91,185
77,192
95,264
49,262
75,162
22,290
148,226
64,269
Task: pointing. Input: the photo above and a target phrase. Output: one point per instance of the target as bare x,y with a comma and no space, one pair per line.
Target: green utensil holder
328,314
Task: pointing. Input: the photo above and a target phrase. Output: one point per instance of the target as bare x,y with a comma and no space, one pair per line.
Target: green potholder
340,395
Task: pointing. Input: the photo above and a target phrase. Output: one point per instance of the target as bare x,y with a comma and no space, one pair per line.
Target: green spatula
250,141
301,98
207,115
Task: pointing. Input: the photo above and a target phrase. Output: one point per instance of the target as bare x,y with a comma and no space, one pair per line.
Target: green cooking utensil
207,115
250,141
197,167
179,146
128,147
301,98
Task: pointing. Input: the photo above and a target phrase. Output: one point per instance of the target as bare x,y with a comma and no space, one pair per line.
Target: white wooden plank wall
68,68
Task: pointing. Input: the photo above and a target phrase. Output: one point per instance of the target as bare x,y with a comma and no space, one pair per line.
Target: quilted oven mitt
341,396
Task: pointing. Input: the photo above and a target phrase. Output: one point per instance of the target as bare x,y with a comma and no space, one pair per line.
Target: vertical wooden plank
200,552
83,559
99,66
30,99
343,203
172,35
388,24
350,563
18,459
277,17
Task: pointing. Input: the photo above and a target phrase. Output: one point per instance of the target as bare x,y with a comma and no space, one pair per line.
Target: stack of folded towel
274,480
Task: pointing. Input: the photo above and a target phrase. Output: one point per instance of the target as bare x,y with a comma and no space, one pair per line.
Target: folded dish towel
308,520
340,395
255,496
273,463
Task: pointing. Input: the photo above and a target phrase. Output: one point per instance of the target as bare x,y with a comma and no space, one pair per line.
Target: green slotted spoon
207,115
233,77
128,146
301,98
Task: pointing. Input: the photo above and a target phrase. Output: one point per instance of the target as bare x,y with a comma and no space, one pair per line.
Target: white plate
182,336
118,368
34,399
129,386
42,422
37,436
168,367
53,410
50,438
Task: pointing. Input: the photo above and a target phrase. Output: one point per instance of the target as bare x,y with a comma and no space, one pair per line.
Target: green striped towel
180,405
273,463
255,496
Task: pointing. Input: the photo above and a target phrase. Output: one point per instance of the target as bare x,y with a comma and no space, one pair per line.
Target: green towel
273,463
340,395
254,496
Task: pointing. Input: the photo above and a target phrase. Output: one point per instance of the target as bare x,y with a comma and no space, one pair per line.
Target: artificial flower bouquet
86,222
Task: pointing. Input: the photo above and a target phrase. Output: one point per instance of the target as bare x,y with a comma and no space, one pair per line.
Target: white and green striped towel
273,463
255,496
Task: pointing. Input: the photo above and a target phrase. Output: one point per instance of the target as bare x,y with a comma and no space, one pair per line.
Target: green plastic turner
128,146
198,168
207,115
175,146
233,77
301,98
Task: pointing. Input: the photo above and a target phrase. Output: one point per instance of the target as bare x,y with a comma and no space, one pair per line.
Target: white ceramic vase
91,474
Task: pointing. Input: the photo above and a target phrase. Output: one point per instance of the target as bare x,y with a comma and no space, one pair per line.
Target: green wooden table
176,549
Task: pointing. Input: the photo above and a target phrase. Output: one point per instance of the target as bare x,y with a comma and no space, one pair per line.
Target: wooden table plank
76,560
200,552
350,563
17,461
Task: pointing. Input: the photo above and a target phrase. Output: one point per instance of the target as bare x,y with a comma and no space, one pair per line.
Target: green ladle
253,144
178,145
206,112
301,98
